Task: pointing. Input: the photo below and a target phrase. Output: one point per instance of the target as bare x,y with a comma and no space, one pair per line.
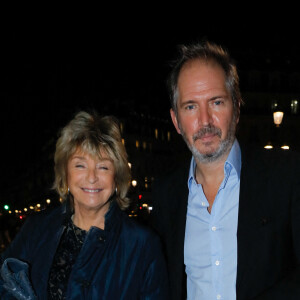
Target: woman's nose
92,176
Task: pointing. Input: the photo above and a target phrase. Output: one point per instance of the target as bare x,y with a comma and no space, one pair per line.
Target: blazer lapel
253,211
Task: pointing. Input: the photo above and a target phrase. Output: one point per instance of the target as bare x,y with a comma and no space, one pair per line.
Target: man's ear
174,120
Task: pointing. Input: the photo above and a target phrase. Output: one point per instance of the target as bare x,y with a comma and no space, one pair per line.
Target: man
229,219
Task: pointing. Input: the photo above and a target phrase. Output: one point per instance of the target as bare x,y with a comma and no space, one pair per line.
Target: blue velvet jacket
124,261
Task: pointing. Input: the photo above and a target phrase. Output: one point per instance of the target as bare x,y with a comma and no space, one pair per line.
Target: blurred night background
49,74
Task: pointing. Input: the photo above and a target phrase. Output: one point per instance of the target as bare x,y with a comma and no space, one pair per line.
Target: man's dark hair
211,53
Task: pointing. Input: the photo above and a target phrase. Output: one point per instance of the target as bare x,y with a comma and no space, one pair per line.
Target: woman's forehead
95,154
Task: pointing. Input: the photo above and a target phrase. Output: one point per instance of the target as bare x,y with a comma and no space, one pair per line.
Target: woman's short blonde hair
94,135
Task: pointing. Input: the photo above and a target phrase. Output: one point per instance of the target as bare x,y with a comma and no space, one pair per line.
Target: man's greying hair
95,136
207,52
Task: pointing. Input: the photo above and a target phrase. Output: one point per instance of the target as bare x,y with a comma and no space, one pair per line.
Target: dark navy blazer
268,225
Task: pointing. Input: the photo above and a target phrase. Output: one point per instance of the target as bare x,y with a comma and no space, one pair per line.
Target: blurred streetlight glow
268,146
294,106
285,147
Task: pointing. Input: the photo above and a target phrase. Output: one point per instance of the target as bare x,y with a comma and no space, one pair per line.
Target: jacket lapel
253,211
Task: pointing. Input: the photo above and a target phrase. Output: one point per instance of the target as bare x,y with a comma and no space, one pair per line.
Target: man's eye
218,102
190,107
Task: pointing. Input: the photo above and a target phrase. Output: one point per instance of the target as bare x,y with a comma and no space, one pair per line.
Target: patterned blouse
65,257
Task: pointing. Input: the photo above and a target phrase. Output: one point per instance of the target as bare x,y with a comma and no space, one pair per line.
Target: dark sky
48,73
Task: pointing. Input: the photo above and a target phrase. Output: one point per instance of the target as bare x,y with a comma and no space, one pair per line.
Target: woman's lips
91,190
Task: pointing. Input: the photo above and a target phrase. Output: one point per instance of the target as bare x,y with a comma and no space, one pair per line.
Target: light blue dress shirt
210,246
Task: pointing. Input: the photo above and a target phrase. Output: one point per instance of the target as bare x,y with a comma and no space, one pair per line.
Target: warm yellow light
169,136
156,133
277,116
285,147
38,205
48,201
268,147
25,209
129,165
31,207
134,183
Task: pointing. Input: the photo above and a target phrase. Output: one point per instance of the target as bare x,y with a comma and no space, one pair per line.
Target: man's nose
204,117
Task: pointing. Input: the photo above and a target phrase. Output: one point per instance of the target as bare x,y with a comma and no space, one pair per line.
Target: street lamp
278,116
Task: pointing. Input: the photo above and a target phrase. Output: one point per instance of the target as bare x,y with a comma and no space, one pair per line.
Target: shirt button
218,296
203,203
214,228
217,262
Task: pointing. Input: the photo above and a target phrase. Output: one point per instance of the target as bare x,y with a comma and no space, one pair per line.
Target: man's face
205,116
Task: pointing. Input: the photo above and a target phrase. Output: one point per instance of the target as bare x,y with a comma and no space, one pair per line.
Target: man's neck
210,176
210,171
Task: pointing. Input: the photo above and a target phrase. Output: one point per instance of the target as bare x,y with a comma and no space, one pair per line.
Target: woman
87,248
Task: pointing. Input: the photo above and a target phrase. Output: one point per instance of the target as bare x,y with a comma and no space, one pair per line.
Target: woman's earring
116,190
68,190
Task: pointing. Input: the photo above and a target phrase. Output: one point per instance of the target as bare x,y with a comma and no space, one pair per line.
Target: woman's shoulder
137,230
47,216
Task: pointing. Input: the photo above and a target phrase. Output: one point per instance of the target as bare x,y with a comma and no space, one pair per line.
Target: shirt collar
234,159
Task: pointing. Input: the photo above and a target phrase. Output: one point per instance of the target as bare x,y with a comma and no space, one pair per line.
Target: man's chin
211,153
207,149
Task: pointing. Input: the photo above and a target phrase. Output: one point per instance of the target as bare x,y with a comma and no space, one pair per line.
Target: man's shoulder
275,158
177,172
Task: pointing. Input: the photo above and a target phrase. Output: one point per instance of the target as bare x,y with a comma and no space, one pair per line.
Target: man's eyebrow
187,102
218,97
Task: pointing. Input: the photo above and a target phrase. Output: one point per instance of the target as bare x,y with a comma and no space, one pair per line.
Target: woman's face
91,181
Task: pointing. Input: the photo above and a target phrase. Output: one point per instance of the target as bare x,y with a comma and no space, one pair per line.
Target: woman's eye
79,166
103,168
